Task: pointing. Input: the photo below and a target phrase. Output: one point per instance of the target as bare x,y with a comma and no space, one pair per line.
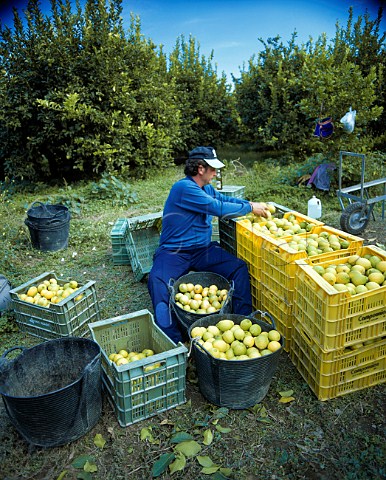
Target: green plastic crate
142,241
67,318
237,191
134,391
118,236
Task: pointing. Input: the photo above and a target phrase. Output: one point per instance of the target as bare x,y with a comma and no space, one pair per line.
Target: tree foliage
286,89
206,107
80,96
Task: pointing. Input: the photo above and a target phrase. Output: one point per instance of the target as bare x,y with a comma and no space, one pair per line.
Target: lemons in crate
52,291
200,299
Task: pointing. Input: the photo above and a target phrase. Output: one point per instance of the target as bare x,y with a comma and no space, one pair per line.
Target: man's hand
259,209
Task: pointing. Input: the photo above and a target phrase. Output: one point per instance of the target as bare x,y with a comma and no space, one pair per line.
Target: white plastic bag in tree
348,120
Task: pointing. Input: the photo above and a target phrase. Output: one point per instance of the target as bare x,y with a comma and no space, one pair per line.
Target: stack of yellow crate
338,339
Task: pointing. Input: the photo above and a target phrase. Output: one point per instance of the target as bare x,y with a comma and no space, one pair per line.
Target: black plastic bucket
185,318
43,214
52,392
234,384
5,296
48,225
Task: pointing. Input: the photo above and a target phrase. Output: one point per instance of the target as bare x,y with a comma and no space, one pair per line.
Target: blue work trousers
170,264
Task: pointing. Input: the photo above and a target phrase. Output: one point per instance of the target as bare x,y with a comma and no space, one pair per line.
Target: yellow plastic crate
256,294
335,319
144,388
281,311
278,267
249,247
335,373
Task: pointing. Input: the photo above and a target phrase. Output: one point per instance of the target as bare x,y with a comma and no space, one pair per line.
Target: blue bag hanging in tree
324,127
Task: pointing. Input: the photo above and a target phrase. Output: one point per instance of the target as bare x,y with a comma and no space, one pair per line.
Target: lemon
329,277
148,352
32,291
239,333
261,342
121,361
274,335
239,349
255,329
124,353
245,324
197,332
225,324
274,346
249,341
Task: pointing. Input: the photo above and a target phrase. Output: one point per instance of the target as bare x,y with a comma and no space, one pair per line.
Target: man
185,242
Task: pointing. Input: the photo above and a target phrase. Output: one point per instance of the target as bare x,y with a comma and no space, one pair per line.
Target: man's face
207,174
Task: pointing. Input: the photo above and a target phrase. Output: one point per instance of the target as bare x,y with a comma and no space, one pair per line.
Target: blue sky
231,28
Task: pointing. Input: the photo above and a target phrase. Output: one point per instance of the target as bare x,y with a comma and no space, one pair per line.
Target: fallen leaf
181,437
208,437
209,470
286,399
99,441
205,461
189,448
221,429
178,464
162,464
287,393
90,467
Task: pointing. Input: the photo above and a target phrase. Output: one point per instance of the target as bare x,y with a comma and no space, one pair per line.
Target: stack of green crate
118,236
142,241
236,191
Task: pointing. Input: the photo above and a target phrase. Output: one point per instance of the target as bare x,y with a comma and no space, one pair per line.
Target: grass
343,438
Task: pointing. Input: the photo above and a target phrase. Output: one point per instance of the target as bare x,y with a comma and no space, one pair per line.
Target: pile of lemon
229,341
50,291
358,274
123,357
198,299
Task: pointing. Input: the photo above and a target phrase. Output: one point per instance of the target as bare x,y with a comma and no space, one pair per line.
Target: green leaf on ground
62,475
221,429
147,435
90,467
204,461
210,470
178,464
188,448
286,399
80,461
181,437
99,441
287,393
162,464
221,412
208,437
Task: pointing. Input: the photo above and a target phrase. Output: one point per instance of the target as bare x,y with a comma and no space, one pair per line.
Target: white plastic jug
314,207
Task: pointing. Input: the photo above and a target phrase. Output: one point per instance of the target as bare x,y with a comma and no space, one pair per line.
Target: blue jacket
188,212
